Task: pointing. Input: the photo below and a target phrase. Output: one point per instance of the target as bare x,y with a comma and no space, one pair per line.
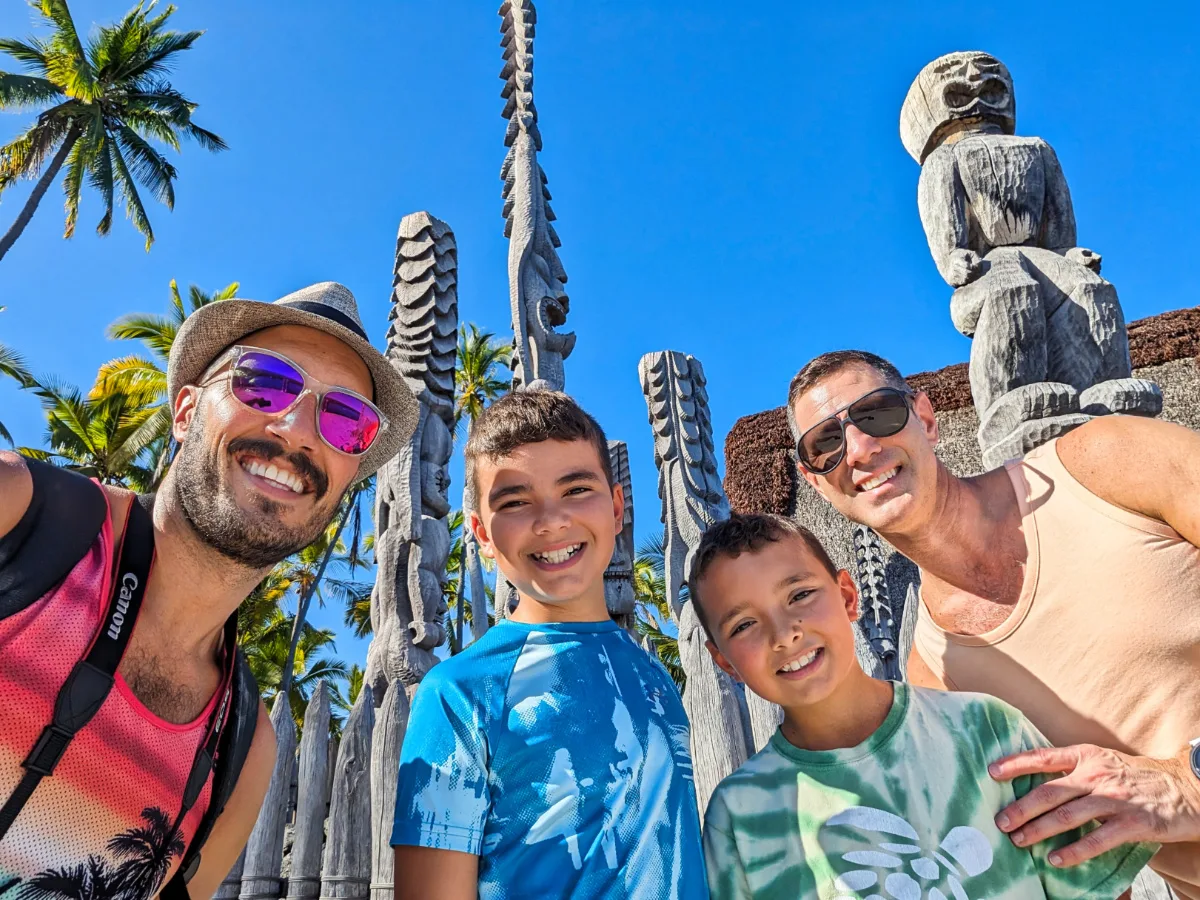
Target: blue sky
728,182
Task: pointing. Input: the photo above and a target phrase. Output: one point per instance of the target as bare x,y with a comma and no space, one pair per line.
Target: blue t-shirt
559,754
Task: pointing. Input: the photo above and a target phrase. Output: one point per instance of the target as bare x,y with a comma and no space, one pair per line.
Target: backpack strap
64,517
232,750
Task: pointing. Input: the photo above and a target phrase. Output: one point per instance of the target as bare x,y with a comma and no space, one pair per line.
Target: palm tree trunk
285,677
39,191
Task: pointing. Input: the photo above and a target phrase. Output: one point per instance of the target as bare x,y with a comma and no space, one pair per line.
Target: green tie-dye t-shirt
906,815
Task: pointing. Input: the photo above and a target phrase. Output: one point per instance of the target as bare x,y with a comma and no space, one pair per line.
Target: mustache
309,470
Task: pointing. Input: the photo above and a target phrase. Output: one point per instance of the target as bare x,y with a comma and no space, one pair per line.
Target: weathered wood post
536,277
346,868
391,721
692,499
411,498
412,503
765,717
304,881
619,596
231,886
264,850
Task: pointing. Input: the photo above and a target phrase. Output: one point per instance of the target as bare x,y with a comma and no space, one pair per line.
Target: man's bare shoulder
1133,462
16,490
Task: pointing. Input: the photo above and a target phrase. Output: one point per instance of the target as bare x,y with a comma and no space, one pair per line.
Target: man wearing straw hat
121,747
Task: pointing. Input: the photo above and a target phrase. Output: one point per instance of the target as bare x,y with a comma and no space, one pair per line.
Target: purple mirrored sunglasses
270,383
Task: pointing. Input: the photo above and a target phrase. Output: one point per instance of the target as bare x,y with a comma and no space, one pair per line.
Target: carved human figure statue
411,496
1050,345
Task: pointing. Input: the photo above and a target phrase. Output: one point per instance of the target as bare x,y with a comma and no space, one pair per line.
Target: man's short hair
747,533
827,364
530,417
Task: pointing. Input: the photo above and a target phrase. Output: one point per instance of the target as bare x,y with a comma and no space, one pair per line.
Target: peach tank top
1103,646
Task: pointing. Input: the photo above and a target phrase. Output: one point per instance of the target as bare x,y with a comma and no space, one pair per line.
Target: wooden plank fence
339,847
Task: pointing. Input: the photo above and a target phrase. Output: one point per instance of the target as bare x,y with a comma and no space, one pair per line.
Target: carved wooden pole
411,500
693,499
305,881
618,577
765,717
877,619
391,721
231,886
346,868
264,849
535,274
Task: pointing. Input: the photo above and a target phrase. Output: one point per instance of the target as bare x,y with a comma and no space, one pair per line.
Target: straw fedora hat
327,307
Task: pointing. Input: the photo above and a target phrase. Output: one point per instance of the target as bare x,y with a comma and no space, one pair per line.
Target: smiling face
888,483
257,487
549,518
780,622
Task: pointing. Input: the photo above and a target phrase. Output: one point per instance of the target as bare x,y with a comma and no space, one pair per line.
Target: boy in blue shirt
551,757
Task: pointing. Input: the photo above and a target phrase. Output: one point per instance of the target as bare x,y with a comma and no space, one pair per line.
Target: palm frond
149,166
133,202
100,176
79,161
139,437
31,52
14,366
19,92
66,63
24,155
129,373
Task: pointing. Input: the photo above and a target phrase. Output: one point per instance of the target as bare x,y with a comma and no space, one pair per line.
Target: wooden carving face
953,90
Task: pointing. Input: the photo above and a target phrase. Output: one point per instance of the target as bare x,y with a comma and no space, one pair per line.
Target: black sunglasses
881,413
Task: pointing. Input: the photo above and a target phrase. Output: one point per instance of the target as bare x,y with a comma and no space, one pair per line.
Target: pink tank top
104,817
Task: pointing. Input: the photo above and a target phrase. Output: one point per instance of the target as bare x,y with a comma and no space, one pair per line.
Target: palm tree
344,702
652,617
477,383
12,365
268,648
137,372
91,880
104,438
306,569
100,106
145,853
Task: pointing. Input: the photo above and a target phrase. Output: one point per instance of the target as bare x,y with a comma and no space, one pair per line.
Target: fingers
1030,762
1039,801
1069,816
1109,836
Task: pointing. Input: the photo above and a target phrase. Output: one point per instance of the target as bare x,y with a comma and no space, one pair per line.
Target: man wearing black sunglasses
111,733
1065,583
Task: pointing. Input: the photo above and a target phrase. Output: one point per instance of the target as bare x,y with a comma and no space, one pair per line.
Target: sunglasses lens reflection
881,413
266,383
348,423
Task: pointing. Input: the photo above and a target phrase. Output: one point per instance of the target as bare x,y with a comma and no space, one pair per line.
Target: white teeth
798,664
275,474
879,479
558,556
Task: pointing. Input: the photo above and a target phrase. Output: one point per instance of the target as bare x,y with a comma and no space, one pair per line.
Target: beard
255,538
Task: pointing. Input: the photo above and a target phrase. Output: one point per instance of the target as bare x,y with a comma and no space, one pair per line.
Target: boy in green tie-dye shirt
869,789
